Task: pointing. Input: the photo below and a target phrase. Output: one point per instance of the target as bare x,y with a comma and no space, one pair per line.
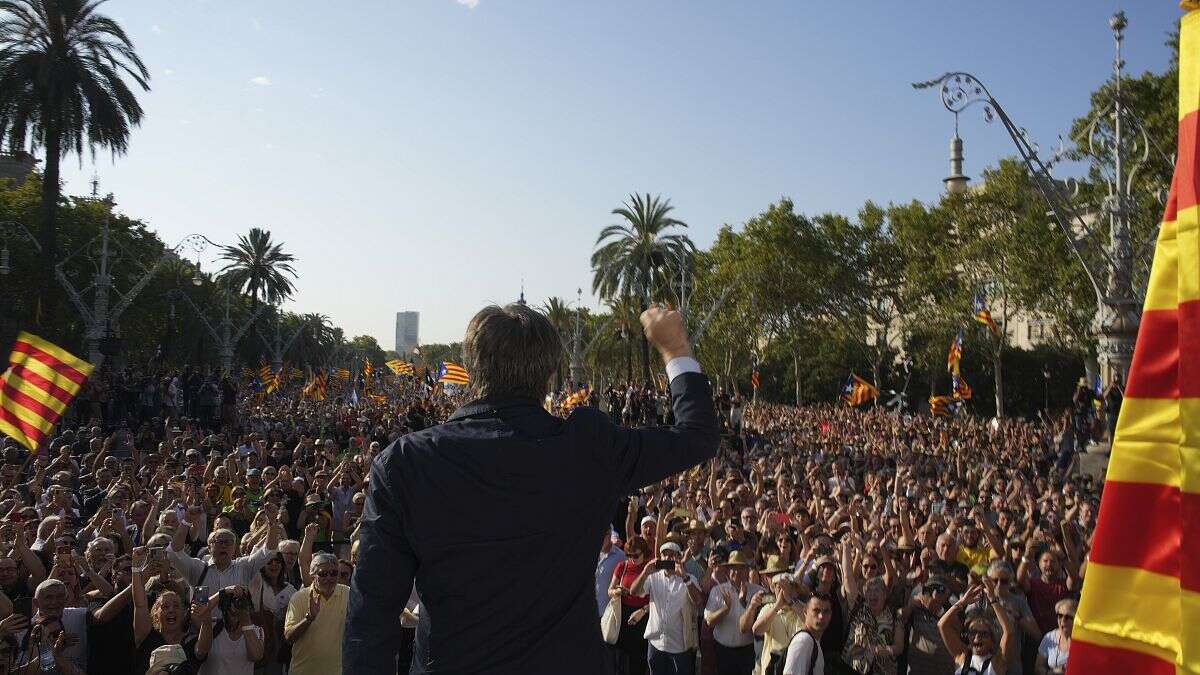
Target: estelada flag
954,358
40,382
1140,610
452,373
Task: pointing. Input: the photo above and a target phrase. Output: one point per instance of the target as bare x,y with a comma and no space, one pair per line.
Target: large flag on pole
1140,610
40,382
452,373
954,358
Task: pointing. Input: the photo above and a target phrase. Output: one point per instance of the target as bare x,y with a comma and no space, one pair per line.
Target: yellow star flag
1140,610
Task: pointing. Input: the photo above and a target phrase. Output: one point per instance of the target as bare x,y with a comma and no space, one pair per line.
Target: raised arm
645,456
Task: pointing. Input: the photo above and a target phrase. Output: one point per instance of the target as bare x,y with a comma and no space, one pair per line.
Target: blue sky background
428,154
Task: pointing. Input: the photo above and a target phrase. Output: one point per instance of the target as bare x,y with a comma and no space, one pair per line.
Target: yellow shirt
981,555
779,633
319,650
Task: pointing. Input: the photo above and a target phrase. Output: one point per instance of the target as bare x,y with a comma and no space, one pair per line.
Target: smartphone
157,554
200,595
768,598
663,565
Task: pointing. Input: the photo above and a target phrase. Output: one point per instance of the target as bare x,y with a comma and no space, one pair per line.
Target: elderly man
728,612
316,617
498,513
222,569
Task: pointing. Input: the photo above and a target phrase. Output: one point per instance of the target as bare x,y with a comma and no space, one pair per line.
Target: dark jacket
498,516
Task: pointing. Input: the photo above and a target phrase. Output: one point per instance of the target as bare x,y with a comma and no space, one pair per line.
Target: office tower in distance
407,335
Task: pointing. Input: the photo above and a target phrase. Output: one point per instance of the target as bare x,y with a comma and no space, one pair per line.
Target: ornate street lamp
1109,264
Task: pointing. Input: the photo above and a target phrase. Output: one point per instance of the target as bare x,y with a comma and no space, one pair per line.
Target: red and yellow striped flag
1140,610
40,382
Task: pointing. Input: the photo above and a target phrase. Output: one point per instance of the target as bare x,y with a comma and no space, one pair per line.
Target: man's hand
314,605
666,331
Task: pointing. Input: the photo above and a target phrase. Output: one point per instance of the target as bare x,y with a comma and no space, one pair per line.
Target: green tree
560,316
634,258
259,267
63,72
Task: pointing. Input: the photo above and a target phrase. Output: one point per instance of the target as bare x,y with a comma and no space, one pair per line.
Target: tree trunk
645,359
48,234
997,368
628,362
796,367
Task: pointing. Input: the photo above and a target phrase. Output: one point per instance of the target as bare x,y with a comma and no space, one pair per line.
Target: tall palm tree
556,310
632,258
63,70
259,267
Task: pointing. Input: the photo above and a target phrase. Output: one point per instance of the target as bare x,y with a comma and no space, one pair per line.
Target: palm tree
259,267
556,310
62,86
630,257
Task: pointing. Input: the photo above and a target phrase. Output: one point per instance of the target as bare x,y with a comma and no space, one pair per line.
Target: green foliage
259,267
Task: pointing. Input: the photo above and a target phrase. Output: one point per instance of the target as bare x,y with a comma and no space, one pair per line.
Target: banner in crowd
984,316
40,382
452,373
954,358
858,391
399,367
1140,610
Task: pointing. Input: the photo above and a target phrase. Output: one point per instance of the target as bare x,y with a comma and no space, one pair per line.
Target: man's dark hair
824,597
510,352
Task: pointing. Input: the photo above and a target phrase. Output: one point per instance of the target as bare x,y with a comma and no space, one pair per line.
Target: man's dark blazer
498,516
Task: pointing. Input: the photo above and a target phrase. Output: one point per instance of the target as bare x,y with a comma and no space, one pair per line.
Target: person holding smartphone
674,597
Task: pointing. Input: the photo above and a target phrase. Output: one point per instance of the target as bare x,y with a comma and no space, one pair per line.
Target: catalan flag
341,374
399,367
265,376
954,358
983,316
1140,610
452,373
754,371
858,391
40,382
962,391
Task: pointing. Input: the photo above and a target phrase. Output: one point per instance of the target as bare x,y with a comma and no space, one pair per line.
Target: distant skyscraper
407,335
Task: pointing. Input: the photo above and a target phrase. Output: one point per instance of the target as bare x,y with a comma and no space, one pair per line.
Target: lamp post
1110,266
226,333
277,345
13,230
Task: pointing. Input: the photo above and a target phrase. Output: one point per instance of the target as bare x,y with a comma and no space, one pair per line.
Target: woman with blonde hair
167,622
1056,645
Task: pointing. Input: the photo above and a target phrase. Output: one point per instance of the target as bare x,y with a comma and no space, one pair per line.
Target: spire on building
521,300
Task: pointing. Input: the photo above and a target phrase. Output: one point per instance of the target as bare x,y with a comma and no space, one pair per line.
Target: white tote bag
610,621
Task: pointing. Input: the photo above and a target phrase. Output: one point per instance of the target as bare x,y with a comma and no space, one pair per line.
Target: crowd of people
180,522
832,540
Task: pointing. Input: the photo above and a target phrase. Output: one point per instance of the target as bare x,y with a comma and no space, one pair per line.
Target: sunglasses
979,633
328,573
1065,616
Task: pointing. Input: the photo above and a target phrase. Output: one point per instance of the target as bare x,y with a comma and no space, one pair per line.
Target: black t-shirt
110,644
154,640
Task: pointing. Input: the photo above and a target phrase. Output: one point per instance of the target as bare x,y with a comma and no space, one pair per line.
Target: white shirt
227,656
668,596
240,572
799,654
726,630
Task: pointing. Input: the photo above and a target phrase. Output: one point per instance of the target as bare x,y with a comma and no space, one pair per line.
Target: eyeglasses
1065,616
979,633
327,573
1000,580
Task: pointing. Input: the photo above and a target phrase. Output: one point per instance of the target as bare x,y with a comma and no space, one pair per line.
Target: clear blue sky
428,154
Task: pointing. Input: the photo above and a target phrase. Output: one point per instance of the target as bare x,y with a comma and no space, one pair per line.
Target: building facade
407,332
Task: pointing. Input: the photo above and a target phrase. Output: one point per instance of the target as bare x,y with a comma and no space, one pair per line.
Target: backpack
779,658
